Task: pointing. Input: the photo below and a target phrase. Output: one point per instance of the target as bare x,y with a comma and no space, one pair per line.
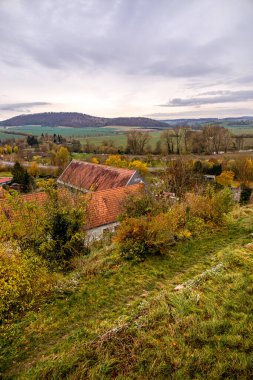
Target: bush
245,194
138,237
52,228
24,282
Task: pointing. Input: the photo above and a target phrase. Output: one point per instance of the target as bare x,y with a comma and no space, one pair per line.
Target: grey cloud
218,97
22,107
170,39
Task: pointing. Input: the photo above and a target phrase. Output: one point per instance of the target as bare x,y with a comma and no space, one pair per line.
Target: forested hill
78,120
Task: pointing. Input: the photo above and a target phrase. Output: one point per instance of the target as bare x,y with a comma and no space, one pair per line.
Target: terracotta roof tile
38,197
4,180
86,176
105,206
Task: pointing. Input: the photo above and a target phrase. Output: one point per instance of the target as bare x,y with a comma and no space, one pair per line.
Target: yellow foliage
33,169
94,160
225,178
142,167
24,282
118,161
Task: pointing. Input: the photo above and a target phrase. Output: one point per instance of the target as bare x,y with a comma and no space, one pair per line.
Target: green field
5,136
116,134
64,131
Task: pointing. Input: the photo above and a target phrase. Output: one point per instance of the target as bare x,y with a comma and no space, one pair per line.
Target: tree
178,136
33,169
216,138
167,139
8,149
32,140
137,141
22,177
180,177
62,157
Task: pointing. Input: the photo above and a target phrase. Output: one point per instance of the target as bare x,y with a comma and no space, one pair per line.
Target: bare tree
167,140
137,141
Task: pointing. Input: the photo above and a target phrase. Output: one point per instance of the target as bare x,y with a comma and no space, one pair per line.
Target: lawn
115,319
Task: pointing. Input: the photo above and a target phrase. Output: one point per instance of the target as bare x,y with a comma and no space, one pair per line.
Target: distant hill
78,120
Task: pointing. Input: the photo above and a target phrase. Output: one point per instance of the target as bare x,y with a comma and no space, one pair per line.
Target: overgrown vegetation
138,237
183,315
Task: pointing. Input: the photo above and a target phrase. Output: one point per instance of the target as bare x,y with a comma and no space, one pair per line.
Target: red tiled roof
104,206
86,176
38,197
4,180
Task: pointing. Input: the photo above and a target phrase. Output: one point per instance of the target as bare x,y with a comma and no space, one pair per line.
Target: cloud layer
22,107
216,98
141,51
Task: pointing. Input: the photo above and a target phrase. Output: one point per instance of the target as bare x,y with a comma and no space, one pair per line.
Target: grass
115,319
5,174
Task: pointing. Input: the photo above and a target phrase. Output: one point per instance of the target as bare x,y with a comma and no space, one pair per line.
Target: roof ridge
121,188
103,166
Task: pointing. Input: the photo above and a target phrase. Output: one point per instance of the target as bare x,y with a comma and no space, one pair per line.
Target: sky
163,59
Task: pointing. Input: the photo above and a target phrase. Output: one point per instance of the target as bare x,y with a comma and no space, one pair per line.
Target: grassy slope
125,321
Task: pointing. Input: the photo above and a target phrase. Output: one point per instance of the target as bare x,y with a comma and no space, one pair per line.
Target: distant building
209,177
5,181
85,177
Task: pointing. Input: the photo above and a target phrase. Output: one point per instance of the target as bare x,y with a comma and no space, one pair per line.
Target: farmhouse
104,208
108,186
104,189
86,177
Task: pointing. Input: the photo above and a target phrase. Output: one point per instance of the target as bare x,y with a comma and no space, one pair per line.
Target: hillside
78,120
113,319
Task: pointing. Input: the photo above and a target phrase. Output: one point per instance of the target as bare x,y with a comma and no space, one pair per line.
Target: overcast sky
157,58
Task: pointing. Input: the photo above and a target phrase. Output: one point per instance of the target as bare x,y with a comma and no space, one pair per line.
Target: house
86,177
104,189
104,208
5,180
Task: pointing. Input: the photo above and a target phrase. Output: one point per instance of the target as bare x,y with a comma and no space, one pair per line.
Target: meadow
116,134
63,131
115,319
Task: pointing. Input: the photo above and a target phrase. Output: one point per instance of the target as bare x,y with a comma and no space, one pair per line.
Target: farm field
64,131
93,135
5,136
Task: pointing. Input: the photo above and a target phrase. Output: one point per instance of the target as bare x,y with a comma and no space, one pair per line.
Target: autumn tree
167,139
137,141
216,138
180,176
33,169
62,157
